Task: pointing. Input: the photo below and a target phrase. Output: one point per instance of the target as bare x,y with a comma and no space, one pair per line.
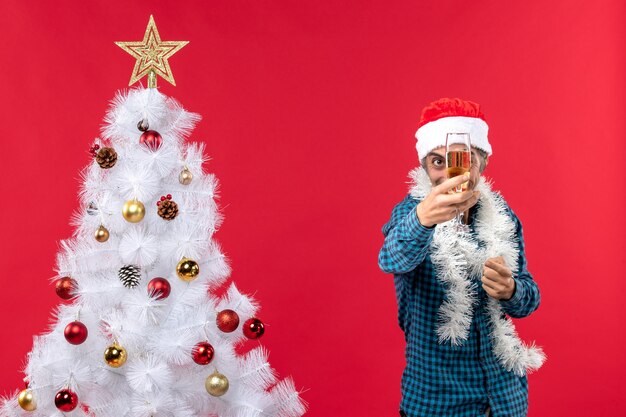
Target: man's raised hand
439,206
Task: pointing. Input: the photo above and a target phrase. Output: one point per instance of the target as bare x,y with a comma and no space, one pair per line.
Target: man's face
436,167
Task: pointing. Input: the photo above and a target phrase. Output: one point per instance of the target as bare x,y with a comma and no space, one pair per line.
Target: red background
309,114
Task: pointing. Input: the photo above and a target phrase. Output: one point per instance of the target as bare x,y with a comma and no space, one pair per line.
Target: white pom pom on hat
451,115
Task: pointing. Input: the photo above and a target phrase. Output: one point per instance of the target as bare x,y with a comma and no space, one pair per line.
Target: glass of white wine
458,161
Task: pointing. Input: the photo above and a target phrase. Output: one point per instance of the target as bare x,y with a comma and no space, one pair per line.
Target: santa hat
451,115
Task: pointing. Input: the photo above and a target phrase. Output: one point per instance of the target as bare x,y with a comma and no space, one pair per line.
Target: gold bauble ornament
102,234
185,176
115,356
216,384
26,400
187,269
134,211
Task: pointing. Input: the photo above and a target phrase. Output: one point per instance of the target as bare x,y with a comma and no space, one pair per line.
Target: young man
455,284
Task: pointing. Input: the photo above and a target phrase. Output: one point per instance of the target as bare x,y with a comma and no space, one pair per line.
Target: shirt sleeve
526,297
406,240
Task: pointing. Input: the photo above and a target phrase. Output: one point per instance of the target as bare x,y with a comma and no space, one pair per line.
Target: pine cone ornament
106,157
168,209
130,275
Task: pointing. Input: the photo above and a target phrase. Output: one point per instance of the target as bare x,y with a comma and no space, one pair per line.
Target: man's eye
438,162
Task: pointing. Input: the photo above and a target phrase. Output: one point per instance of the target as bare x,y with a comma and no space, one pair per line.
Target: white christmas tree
142,335
142,332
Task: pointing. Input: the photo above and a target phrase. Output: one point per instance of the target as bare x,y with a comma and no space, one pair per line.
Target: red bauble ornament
65,288
76,332
227,321
253,328
66,400
202,353
159,288
152,139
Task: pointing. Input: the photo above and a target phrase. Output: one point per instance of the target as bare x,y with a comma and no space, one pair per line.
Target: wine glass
458,161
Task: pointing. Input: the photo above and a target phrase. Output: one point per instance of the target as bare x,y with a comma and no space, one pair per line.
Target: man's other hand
498,279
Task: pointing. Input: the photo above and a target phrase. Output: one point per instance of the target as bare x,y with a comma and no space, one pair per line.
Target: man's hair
483,160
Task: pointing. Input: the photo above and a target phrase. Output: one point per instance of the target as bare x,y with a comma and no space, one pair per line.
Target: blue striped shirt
441,379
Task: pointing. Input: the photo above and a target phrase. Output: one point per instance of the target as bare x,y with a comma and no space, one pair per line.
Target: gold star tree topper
151,56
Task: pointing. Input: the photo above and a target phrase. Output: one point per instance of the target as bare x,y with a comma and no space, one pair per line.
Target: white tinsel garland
457,257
